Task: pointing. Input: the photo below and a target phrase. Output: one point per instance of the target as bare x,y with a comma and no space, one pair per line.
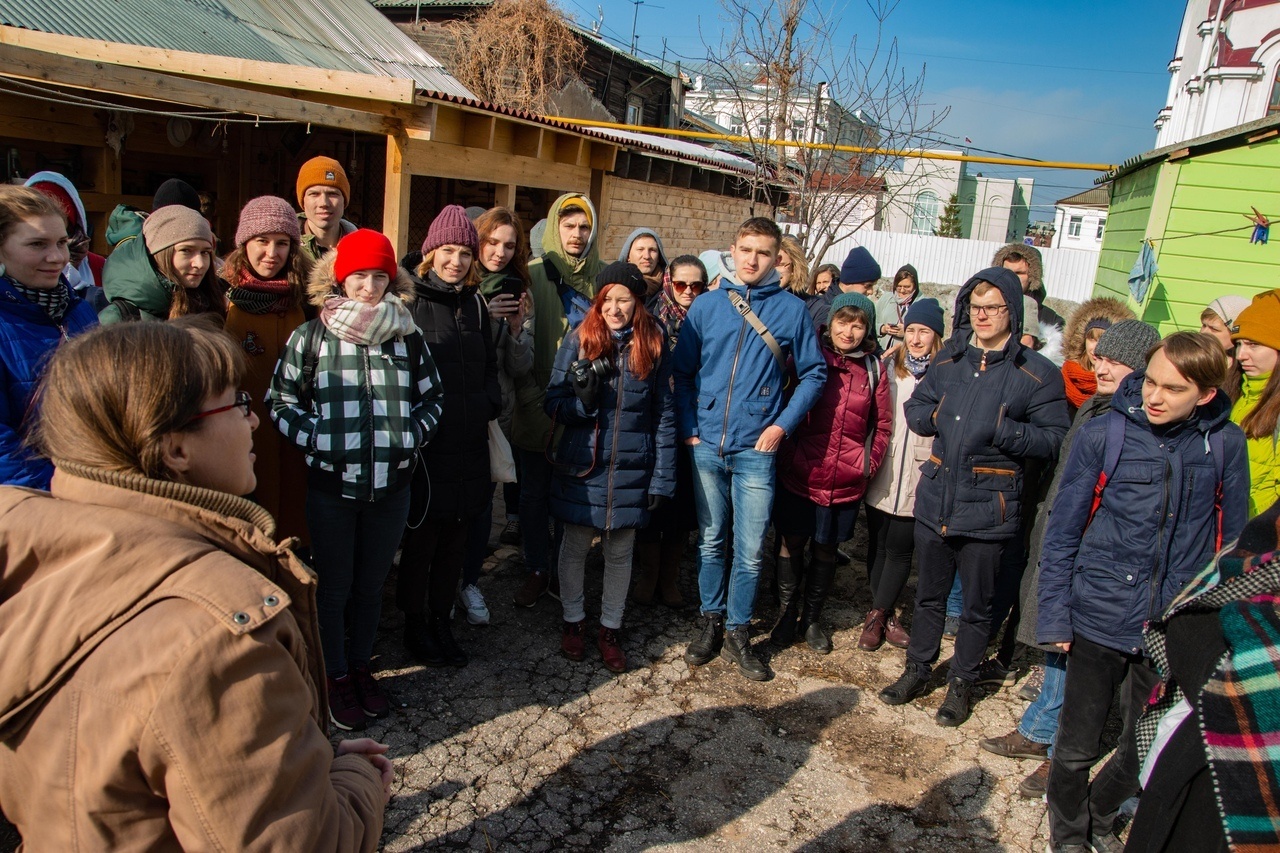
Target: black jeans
940,558
1077,808
430,566
477,545
891,541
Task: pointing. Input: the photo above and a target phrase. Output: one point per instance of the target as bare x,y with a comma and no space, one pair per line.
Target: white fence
1069,273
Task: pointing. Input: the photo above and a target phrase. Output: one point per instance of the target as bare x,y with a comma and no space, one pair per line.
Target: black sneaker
511,533
737,650
421,642
450,651
373,700
951,627
992,673
344,704
707,645
955,708
912,683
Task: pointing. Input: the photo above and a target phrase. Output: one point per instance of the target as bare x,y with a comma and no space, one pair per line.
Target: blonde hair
18,204
799,282
110,396
472,277
899,357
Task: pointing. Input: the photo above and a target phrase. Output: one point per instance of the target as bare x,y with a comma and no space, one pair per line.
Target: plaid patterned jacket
370,413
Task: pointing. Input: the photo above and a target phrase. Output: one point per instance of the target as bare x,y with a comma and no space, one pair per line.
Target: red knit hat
451,227
363,250
62,198
267,214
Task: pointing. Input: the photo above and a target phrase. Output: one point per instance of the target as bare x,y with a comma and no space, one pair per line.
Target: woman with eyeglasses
660,546
892,307
168,698
357,390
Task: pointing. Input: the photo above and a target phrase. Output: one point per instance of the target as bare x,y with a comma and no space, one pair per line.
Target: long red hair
646,341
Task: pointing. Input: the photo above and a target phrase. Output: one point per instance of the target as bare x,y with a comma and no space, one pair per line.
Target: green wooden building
1191,201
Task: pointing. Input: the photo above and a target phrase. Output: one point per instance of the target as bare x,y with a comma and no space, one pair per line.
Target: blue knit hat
859,266
926,312
854,300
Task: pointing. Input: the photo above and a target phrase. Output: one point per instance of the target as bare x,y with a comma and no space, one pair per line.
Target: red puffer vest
827,459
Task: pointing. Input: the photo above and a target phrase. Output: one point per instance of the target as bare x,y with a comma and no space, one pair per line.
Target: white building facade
996,209
1080,220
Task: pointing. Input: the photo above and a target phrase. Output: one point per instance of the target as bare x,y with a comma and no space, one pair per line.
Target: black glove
586,385
655,501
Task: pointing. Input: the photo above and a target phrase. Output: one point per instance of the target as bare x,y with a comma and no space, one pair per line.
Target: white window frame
1074,226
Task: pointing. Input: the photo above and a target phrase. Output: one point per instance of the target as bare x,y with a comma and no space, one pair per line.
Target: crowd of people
221,474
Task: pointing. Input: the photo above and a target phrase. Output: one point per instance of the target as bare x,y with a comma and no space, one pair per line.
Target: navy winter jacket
989,414
1154,530
610,459
728,385
27,338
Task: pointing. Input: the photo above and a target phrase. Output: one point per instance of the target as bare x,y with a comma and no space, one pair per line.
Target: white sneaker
477,612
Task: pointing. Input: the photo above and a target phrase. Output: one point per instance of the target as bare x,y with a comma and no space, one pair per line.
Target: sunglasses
682,286
242,403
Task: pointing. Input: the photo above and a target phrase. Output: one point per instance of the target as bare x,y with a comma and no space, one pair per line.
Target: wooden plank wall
689,221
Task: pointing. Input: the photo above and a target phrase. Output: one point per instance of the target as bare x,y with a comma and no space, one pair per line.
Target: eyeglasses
682,286
243,400
988,310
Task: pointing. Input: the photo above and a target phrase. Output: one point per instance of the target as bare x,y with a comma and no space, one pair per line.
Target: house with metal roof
1182,224
1080,220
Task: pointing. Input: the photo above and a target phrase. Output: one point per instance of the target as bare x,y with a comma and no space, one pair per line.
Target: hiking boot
707,644
872,636
955,708
473,602
610,646
534,586
420,642
372,700
737,650
1031,686
894,634
950,627
344,704
912,683
992,673
1014,745
1106,843
645,569
572,644
1066,848
788,574
510,534
449,649
1035,785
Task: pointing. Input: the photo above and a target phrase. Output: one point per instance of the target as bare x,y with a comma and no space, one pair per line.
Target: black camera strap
743,308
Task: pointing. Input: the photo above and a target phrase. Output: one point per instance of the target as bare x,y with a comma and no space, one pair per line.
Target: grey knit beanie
1127,342
170,225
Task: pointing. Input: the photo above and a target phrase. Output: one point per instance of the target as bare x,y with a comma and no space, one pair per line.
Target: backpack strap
310,361
744,308
1216,449
1111,458
873,378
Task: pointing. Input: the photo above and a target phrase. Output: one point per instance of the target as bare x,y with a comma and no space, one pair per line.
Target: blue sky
1053,81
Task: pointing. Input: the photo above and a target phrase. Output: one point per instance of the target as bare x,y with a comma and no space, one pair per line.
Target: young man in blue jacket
732,413
1176,490
991,405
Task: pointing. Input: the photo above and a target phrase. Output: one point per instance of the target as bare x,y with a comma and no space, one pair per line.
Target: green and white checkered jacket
370,410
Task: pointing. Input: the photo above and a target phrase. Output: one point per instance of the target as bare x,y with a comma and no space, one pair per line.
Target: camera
584,367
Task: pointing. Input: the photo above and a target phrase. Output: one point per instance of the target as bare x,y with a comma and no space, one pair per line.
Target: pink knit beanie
451,227
267,214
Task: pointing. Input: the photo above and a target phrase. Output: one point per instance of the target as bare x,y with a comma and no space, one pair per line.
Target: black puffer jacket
989,415
455,325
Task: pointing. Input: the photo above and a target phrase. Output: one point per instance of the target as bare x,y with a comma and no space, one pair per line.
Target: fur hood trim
1035,265
323,284
1098,307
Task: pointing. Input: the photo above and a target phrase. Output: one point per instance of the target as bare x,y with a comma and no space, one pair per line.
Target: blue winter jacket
27,338
728,384
1154,530
989,415
611,458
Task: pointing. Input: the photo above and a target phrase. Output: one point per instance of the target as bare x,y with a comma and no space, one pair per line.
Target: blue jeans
955,601
1039,722
352,545
735,489
535,512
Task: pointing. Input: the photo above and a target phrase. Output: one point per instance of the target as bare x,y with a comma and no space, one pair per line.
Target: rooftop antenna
634,18
599,22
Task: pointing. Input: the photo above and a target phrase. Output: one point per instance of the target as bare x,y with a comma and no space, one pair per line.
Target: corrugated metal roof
1133,164
425,4
1095,197
340,35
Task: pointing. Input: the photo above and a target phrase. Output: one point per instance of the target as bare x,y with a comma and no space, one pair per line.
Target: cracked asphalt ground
525,750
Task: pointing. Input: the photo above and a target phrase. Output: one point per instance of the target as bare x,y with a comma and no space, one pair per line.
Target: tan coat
893,489
159,657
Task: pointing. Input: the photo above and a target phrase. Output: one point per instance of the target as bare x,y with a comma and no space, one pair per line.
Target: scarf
493,281
1081,383
53,303
260,296
365,324
916,366
654,284
670,313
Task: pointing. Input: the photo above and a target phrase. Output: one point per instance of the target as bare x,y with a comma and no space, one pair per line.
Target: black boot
955,708
450,651
737,650
710,635
788,572
421,642
912,683
816,587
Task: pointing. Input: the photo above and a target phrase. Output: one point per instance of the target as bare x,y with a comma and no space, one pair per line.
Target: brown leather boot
669,572
894,634
872,631
646,563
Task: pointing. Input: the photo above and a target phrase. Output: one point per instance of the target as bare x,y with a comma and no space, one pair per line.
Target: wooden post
395,206
504,195
601,188
103,173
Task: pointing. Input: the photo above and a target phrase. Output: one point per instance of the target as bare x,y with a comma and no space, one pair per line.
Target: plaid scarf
362,323
1239,708
260,296
54,302
670,312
